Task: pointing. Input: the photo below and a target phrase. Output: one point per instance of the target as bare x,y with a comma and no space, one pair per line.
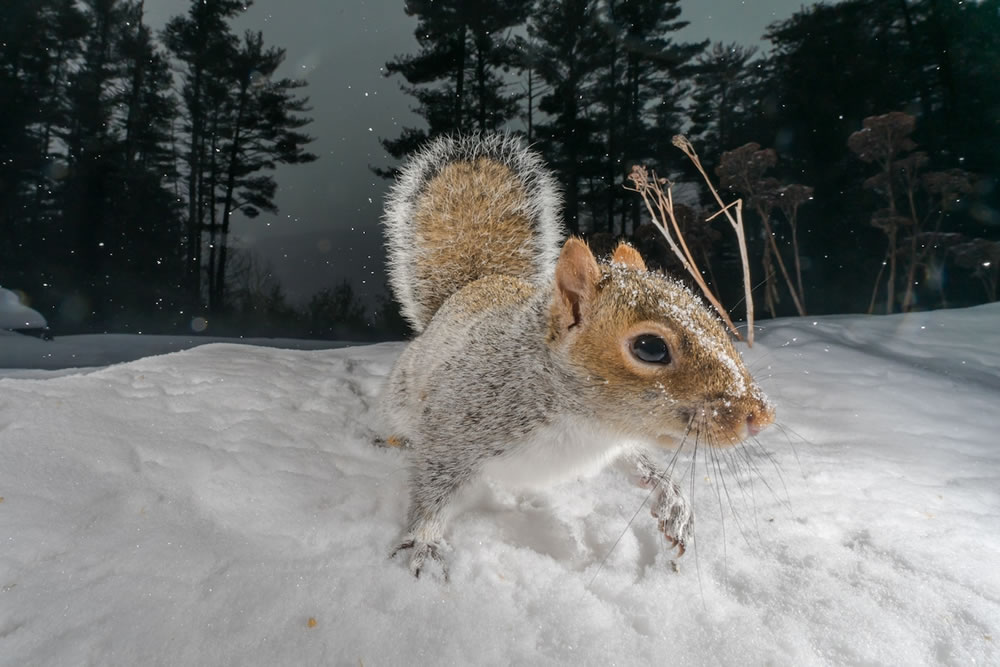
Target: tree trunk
459,79
915,259
890,295
878,279
572,208
770,293
945,70
914,55
531,101
234,153
481,38
193,277
781,265
798,262
610,171
633,143
213,226
911,274
893,228
134,102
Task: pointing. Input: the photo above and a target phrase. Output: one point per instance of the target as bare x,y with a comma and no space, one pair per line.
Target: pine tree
566,52
95,167
725,91
202,42
40,38
843,61
240,121
458,77
833,65
261,132
146,212
645,80
336,313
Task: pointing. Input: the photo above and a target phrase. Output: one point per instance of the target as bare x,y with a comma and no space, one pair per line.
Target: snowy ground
223,506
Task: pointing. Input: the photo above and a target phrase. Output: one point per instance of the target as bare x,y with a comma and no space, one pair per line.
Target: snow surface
15,315
204,506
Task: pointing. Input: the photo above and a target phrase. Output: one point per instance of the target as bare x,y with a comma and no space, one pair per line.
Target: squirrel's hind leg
673,513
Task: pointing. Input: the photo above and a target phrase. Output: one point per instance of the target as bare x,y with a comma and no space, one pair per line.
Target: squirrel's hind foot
674,517
419,553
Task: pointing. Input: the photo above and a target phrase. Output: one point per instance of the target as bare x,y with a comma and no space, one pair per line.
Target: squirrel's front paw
674,517
419,553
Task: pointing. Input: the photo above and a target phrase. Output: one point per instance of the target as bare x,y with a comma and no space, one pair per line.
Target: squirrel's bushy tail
464,208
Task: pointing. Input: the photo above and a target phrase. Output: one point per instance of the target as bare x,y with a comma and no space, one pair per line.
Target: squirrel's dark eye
651,349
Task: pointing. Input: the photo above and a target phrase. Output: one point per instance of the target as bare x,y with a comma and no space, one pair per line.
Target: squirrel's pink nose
754,426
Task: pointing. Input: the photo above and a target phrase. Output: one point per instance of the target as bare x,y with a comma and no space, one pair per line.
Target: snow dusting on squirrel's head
644,342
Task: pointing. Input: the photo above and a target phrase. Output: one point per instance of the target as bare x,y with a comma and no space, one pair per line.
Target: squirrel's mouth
724,425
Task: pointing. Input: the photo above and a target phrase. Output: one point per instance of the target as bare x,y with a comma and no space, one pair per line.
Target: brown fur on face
705,388
483,192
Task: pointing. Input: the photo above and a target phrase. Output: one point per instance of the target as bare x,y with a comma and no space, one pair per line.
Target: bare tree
885,141
790,198
982,256
742,170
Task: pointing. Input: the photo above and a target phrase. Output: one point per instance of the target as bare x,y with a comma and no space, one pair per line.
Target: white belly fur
557,453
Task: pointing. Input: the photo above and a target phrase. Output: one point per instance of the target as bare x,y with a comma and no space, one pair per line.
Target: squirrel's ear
629,256
577,275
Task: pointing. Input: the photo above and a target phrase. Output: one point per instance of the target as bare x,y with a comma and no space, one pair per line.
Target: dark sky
327,228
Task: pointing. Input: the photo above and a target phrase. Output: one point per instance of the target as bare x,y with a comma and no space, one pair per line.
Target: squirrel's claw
421,551
674,518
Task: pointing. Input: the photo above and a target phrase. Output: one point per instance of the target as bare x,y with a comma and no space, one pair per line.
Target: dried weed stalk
660,204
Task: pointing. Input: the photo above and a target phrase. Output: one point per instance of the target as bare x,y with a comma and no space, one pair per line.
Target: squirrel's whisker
743,453
751,456
742,521
754,289
716,477
785,430
658,479
697,564
719,456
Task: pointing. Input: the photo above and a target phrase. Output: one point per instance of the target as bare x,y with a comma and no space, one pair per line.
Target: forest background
862,139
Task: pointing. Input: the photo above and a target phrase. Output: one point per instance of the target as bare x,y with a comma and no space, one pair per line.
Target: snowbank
15,315
202,506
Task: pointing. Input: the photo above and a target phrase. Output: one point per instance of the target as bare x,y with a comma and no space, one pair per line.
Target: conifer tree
95,170
40,39
202,42
723,99
261,131
567,56
240,121
146,212
458,77
645,79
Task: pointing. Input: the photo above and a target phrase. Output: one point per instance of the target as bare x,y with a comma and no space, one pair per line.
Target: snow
15,315
200,507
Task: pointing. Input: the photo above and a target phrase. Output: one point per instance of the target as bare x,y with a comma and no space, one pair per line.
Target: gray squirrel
534,361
